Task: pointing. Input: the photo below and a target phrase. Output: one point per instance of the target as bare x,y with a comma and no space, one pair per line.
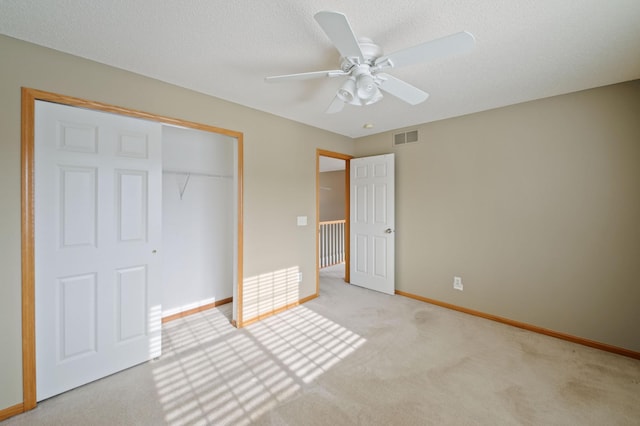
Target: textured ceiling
525,49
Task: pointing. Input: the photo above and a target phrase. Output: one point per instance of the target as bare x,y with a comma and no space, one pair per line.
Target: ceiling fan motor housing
370,52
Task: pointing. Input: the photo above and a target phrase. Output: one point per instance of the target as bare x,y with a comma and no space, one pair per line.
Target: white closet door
98,180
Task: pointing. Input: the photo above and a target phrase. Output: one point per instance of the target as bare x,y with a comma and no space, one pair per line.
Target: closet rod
187,172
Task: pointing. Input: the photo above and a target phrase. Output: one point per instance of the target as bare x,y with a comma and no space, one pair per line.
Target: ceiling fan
363,62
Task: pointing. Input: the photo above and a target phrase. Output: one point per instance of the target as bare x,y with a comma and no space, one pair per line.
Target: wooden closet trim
29,96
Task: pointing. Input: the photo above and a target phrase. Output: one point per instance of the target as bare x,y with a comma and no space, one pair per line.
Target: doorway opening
332,212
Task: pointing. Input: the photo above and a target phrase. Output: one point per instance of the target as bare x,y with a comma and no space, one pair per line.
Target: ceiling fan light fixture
346,93
366,87
377,95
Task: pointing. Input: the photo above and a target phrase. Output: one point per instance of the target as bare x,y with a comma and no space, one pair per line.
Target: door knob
388,231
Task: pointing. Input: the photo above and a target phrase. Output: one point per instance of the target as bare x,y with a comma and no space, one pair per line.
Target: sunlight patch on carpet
206,379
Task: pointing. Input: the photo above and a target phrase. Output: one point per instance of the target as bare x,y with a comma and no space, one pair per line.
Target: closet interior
198,219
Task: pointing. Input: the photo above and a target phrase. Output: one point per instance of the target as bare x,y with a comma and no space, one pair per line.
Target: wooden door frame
347,188
27,190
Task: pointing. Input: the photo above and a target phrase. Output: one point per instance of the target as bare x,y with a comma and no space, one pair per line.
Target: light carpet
356,357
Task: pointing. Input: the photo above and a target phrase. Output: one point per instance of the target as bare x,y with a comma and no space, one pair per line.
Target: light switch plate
457,283
302,221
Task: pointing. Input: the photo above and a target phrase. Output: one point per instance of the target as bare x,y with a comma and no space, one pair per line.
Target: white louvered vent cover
405,137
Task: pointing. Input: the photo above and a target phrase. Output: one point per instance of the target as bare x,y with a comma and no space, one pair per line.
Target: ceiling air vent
405,137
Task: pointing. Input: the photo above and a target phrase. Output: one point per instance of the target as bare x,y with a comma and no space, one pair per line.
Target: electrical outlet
299,277
457,283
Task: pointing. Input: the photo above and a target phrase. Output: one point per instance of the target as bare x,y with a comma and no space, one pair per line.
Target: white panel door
372,223
98,180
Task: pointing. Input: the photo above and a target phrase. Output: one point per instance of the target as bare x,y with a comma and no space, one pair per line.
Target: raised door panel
132,207
379,204
78,206
77,137
361,250
133,145
380,256
77,316
132,297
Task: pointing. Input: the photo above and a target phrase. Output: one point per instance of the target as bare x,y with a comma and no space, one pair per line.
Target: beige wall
332,193
536,206
277,189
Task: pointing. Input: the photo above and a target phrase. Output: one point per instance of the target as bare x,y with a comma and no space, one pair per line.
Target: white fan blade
337,28
305,76
455,43
400,89
336,106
